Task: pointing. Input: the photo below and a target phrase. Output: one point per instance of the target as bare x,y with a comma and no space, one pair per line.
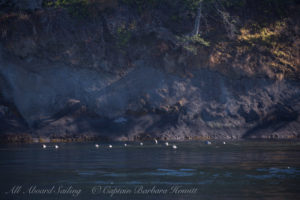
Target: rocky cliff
135,70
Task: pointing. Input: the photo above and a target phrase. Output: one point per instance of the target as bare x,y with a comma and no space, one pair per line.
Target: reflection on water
247,170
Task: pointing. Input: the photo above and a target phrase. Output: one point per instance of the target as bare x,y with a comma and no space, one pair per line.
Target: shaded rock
121,74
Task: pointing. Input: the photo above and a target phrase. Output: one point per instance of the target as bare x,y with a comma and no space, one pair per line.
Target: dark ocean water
236,170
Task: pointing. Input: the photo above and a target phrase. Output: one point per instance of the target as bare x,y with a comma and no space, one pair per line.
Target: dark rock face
21,4
64,78
147,102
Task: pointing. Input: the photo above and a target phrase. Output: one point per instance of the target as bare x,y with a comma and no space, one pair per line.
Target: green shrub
123,37
195,39
76,8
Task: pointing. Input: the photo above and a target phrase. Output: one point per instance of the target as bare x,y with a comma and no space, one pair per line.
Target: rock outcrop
124,75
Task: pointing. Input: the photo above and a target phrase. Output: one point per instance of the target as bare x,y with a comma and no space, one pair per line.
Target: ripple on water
157,172
117,174
86,173
266,176
274,170
169,172
187,170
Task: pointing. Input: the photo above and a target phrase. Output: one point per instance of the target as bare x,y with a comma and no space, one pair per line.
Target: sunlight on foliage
266,35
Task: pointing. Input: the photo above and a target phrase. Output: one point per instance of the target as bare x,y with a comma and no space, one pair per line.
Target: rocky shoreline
29,139
125,71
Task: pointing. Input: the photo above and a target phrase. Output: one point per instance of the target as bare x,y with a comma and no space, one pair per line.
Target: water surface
236,170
